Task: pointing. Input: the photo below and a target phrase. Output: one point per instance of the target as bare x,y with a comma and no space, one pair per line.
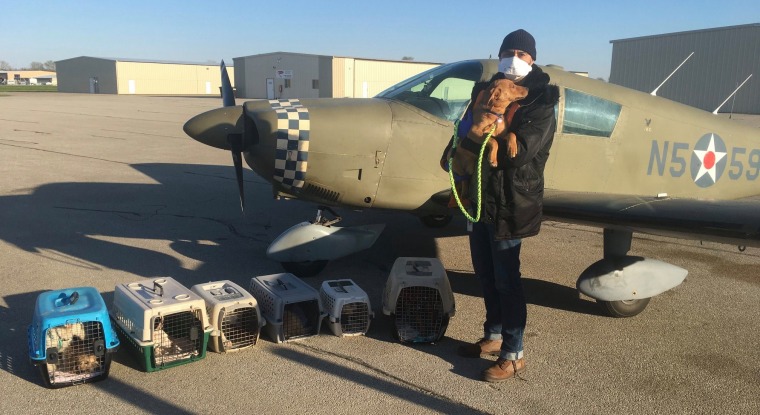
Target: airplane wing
726,221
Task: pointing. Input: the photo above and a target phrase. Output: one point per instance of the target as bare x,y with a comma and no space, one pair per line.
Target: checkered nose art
292,149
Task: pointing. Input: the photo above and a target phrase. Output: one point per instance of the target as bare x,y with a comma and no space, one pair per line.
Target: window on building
589,115
315,84
287,83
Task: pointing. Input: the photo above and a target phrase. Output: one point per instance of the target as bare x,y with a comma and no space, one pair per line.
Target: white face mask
514,68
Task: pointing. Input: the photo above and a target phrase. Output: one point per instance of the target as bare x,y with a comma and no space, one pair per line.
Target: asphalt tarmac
100,190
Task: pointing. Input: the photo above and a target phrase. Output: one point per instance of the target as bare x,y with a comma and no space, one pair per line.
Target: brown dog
489,111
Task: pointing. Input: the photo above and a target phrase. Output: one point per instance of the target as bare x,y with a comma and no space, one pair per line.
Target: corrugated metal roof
334,56
722,59
282,53
149,61
686,32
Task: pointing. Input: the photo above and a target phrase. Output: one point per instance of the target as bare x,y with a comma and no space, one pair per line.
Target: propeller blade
234,139
236,144
228,95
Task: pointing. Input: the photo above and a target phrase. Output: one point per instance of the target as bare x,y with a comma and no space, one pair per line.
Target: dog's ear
495,92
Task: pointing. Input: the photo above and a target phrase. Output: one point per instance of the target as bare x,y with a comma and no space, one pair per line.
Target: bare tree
36,66
407,58
5,66
49,66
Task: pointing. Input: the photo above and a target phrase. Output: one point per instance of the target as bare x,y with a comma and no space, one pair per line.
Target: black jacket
513,192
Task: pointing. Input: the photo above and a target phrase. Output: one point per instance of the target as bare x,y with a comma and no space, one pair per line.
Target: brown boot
504,369
483,346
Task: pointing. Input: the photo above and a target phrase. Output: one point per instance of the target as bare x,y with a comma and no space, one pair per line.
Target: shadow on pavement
398,388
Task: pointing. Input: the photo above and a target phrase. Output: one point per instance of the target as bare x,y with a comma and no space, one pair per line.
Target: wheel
304,269
436,221
624,308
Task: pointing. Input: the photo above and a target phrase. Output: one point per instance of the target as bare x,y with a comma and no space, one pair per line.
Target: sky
573,34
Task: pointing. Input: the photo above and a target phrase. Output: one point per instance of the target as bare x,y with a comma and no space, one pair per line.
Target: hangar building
723,58
86,74
282,75
13,77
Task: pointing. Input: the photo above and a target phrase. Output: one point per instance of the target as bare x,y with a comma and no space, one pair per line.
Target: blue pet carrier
70,338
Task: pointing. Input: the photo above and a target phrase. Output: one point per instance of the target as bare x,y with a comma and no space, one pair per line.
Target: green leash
480,163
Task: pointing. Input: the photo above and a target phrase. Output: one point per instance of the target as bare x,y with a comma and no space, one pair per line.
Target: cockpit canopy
443,91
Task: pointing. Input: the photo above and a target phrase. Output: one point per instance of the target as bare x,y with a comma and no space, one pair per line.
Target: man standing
511,208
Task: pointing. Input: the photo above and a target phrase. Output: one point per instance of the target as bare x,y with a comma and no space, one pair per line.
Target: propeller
235,140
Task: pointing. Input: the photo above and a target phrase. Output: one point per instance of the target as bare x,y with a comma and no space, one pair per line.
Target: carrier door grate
75,352
240,328
177,336
301,319
419,314
354,318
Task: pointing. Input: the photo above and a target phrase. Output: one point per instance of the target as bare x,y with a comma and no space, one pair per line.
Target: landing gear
305,269
436,221
624,308
623,285
306,248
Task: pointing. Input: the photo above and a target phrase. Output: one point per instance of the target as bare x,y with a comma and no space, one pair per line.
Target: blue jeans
497,265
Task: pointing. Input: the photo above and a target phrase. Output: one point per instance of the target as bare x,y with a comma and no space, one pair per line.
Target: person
511,207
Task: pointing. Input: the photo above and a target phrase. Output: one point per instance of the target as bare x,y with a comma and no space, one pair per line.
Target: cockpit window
588,115
443,91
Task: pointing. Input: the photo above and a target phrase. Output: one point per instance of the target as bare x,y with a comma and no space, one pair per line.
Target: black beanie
519,40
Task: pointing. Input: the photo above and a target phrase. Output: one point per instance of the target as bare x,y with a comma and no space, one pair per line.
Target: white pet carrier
234,314
165,324
419,299
291,307
347,307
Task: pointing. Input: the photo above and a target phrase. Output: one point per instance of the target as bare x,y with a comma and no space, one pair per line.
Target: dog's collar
511,108
494,113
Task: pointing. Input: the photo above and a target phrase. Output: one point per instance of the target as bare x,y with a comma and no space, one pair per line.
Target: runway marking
149,134
104,116
18,141
25,122
66,154
32,131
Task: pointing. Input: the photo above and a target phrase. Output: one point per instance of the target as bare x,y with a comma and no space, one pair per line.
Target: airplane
622,160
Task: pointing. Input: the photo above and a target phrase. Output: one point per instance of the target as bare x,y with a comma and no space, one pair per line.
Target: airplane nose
213,127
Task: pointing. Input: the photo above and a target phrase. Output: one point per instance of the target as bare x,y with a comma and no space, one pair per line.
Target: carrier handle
158,289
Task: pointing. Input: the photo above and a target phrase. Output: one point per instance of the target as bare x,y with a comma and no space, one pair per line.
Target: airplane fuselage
657,147
622,146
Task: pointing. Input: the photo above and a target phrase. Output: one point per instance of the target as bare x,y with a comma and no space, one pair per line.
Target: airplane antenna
654,93
733,102
732,94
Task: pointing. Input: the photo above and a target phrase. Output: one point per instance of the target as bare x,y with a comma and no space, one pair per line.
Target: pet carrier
347,307
162,322
234,315
290,306
419,299
71,339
